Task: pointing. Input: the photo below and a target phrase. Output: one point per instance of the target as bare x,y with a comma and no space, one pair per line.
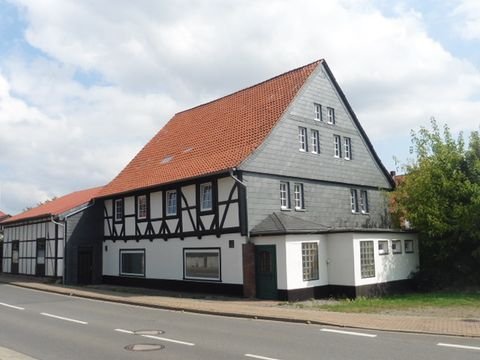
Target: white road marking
168,340
12,306
124,331
349,333
459,346
64,318
259,357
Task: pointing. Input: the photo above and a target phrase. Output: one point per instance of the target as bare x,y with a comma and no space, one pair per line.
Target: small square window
171,196
231,244
408,246
318,112
142,207
302,138
206,197
396,246
330,115
383,247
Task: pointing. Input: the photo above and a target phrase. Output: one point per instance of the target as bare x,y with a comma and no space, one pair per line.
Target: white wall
164,259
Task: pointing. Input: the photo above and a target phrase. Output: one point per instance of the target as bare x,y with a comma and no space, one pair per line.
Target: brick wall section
249,284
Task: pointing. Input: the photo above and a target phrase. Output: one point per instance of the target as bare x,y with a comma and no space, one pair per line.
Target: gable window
348,148
315,141
142,207
363,202
284,195
171,196
310,261
383,247
318,112
298,196
330,115
337,146
367,259
132,262
206,196
302,138
354,200
119,210
201,264
397,246
408,246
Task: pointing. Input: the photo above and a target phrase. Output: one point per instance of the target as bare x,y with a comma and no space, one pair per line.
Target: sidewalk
257,309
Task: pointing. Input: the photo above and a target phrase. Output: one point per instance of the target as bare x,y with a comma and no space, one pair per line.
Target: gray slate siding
325,204
280,154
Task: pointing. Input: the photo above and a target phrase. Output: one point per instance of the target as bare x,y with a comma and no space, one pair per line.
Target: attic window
166,159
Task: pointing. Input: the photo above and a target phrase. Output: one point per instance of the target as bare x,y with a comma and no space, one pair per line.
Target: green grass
400,302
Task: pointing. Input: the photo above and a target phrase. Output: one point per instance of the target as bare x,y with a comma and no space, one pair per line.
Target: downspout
64,225
237,180
244,186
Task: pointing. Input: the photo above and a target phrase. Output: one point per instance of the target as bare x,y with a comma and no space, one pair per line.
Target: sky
85,84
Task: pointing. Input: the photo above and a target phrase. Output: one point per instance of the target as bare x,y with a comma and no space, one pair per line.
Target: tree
440,197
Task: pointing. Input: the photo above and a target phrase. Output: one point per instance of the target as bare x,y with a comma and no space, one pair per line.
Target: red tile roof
57,206
213,137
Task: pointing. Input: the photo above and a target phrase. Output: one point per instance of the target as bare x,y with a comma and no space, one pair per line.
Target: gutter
237,180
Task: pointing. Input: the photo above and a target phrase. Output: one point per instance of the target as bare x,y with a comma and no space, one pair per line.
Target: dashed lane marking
459,346
12,306
64,318
124,331
168,340
349,333
259,357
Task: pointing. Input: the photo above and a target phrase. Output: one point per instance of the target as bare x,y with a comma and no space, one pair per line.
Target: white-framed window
408,246
202,264
132,262
284,195
367,259
302,138
354,200
337,146
171,196
396,246
298,196
142,207
364,202
118,210
317,108
15,251
206,196
383,247
330,115
347,145
315,141
310,261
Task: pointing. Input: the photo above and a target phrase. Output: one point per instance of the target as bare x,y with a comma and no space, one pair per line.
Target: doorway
85,266
40,269
266,271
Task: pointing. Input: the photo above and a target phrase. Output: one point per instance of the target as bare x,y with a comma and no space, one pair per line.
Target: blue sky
84,85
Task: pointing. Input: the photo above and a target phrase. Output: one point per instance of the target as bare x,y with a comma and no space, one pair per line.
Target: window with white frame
367,259
302,138
337,146
171,196
132,262
408,246
284,195
347,145
298,196
206,196
202,264
315,141
330,115
354,200
318,112
396,246
119,210
142,207
383,247
310,261
364,201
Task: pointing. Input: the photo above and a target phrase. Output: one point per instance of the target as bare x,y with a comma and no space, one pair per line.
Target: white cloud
155,58
469,13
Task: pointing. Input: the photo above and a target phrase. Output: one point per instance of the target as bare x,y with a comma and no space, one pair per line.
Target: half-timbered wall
27,235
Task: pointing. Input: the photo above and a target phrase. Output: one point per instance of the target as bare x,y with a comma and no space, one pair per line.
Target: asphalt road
49,326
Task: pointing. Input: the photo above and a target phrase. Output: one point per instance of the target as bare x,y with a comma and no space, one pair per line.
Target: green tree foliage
440,197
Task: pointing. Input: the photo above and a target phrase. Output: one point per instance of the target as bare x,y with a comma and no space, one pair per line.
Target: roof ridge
251,86
278,221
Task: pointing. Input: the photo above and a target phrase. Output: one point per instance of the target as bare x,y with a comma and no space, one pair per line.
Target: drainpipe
237,180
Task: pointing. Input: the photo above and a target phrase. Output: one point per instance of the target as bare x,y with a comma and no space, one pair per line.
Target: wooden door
266,271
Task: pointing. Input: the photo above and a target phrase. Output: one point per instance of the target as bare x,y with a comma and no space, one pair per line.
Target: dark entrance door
15,255
85,266
266,271
40,270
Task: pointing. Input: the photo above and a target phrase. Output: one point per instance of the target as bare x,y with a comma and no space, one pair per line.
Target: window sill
285,209
300,210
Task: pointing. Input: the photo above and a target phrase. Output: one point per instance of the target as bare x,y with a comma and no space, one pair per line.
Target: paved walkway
239,307
7,354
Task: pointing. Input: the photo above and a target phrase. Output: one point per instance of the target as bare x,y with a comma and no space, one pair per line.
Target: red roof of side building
213,137
57,206
3,216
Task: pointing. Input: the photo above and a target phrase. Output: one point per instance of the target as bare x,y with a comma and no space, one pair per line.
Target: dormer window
330,115
206,197
317,111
